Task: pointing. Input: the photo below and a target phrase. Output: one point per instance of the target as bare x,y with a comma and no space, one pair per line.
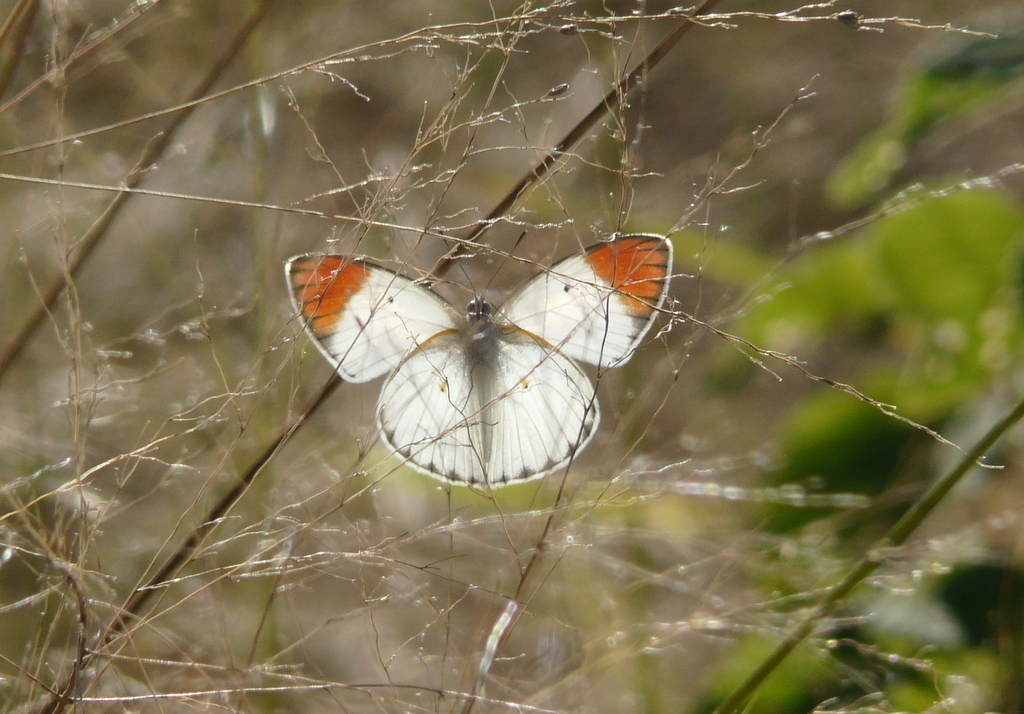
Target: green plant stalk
878,554
266,634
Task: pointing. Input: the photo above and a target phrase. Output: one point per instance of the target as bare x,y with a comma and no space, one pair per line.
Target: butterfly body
497,396
484,333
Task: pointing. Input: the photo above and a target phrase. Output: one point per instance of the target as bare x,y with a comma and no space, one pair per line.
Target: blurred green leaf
952,83
848,444
937,281
947,257
833,443
866,171
835,284
792,688
721,260
950,258
950,265
988,600
955,84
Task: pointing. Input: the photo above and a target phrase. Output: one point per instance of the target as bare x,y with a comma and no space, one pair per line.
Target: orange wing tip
637,267
323,285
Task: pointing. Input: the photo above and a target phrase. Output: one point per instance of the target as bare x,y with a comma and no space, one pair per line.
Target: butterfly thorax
482,333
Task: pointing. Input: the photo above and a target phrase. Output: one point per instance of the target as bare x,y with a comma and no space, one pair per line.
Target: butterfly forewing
522,414
364,317
596,306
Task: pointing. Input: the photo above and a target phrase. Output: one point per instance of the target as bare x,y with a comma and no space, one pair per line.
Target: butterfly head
479,311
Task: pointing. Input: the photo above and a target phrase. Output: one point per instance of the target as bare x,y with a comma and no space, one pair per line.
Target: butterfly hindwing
425,408
363,317
597,305
518,415
546,410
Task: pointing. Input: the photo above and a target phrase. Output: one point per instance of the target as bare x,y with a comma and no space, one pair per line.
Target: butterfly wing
545,410
519,414
596,306
363,317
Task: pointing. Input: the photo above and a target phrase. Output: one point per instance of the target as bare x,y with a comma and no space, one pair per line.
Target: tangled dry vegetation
182,531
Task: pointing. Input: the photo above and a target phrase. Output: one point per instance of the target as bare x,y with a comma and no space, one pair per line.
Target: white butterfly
495,397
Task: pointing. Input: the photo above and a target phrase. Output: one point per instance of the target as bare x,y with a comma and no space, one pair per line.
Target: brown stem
605,107
63,694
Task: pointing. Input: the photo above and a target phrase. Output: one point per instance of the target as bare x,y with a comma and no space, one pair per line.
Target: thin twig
12,39
150,155
64,694
605,107
138,599
182,554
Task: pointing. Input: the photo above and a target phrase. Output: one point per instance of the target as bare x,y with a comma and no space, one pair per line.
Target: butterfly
496,396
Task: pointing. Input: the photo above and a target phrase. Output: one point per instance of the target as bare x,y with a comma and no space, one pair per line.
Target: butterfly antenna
469,280
507,256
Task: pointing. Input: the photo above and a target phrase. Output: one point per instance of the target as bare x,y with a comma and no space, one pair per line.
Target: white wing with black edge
517,418
364,318
597,305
